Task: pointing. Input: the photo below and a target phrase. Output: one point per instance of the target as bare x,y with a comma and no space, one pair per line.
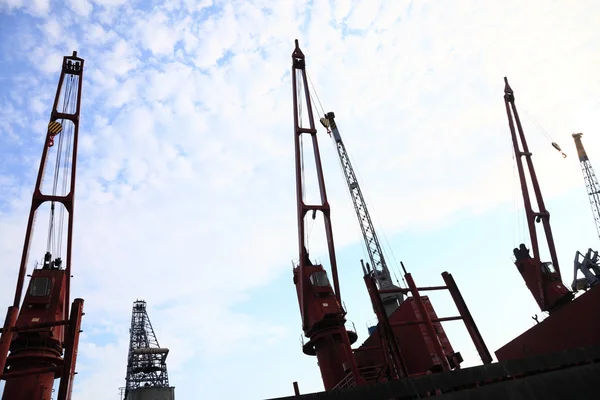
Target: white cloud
81,7
40,7
186,192
362,16
109,3
158,34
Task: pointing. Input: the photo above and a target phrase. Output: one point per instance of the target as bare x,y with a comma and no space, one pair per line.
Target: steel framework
146,361
380,271
591,182
542,279
571,322
323,317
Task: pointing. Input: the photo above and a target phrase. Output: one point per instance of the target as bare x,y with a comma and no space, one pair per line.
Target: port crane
42,332
423,346
542,361
587,264
392,299
571,323
589,177
542,278
323,317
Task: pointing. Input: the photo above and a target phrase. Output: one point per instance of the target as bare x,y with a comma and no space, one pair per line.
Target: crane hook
54,128
557,147
325,122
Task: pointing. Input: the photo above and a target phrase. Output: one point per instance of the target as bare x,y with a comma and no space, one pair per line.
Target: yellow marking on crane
54,128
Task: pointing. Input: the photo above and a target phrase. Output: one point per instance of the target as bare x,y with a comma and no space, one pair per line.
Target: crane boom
591,182
380,270
542,278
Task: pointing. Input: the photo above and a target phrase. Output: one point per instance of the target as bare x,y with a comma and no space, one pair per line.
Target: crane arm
381,271
590,179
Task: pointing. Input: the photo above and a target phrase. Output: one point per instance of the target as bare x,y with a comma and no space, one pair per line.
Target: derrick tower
147,376
42,331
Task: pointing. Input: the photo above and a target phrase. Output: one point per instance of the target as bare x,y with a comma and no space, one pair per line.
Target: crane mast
380,270
588,264
542,278
323,317
591,182
40,332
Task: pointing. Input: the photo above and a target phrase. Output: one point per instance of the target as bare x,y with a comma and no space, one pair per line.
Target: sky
185,192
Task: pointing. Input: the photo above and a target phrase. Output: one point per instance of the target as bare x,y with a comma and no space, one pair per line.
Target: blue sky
185,191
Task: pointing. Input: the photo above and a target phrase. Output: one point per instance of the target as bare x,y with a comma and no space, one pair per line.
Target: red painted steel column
72,343
467,318
437,346
6,336
389,343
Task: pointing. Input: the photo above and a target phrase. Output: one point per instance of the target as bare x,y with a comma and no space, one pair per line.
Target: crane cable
316,95
55,233
393,268
546,135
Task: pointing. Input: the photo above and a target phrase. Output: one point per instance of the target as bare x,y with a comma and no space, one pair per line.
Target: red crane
572,322
542,279
409,339
42,334
323,317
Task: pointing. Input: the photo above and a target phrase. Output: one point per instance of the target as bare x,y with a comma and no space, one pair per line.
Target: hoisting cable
546,135
352,161
316,95
55,233
300,100
67,158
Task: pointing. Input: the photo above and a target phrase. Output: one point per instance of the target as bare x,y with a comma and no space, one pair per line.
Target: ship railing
369,374
346,382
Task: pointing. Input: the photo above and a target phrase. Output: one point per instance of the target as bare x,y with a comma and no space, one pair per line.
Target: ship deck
568,374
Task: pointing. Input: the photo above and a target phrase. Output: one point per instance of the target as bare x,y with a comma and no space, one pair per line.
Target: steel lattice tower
591,182
146,362
380,271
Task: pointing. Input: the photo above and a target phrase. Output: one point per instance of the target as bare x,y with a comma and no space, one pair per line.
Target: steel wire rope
366,255
544,132
530,117
51,242
302,173
519,230
378,229
322,110
316,94
69,108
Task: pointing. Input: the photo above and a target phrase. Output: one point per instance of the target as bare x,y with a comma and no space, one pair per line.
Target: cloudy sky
185,186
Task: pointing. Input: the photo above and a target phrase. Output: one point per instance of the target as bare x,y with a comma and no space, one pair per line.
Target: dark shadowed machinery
41,334
407,354
147,377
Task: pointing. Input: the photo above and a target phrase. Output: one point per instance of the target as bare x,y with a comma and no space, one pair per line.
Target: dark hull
569,374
